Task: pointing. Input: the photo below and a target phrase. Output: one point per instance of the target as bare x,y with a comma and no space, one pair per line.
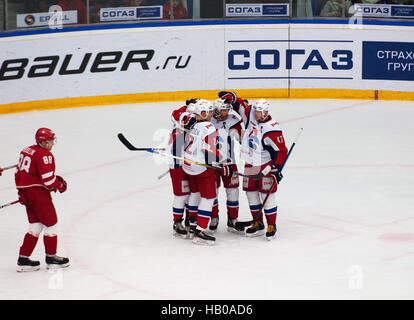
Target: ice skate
202,238
179,230
232,226
271,232
256,230
24,264
213,224
56,262
192,225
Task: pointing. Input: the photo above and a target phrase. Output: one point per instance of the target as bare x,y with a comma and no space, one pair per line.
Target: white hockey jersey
201,142
262,142
229,131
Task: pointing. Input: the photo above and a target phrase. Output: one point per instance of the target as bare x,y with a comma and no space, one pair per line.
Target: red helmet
44,134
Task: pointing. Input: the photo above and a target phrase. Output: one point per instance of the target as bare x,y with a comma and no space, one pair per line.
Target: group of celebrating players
201,149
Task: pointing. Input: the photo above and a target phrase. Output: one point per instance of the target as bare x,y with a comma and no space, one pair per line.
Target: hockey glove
189,122
276,172
228,97
63,184
21,200
227,171
1,170
187,102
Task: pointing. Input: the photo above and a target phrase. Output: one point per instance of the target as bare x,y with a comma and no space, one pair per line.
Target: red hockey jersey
36,167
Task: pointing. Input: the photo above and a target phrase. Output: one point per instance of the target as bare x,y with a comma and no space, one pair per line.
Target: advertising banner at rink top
308,56
205,57
124,61
46,19
257,10
131,13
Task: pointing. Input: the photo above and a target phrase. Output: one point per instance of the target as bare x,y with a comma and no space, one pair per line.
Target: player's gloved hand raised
189,122
228,97
63,184
187,102
276,172
1,170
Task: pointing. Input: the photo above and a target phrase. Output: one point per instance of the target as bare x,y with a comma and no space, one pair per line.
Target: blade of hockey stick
163,175
8,204
131,147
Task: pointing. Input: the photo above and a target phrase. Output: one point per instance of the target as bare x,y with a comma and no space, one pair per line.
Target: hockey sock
177,214
270,209
254,203
178,207
192,204
50,244
29,243
232,202
215,210
204,212
271,215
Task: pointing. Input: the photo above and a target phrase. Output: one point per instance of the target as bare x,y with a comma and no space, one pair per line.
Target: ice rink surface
345,219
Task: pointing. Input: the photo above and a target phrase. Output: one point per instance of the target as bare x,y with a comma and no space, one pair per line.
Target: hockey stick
133,148
9,204
163,175
254,177
243,224
9,167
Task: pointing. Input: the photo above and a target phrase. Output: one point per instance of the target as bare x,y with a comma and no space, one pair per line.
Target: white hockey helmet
262,105
201,106
219,105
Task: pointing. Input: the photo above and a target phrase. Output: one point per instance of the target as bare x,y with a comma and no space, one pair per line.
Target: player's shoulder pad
272,125
208,126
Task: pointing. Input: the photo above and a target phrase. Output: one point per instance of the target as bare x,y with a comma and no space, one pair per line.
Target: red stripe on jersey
279,141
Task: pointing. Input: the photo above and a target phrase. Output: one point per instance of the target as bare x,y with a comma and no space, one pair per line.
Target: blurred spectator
137,3
174,9
336,8
78,5
95,10
304,8
42,6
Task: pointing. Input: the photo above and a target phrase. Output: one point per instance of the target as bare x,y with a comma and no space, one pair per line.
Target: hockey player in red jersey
35,179
201,141
229,129
181,190
263,150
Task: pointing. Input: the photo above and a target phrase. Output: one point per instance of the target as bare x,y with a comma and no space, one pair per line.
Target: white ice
345,219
